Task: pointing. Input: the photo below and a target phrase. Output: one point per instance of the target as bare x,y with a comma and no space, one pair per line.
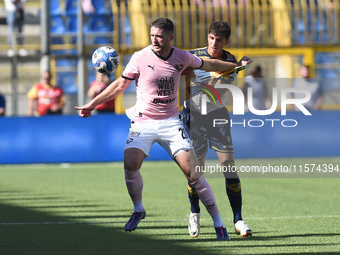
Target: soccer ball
105,59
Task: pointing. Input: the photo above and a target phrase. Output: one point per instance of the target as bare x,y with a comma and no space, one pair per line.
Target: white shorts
168,133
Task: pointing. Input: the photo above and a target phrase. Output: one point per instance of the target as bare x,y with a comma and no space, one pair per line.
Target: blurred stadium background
81,208
278,34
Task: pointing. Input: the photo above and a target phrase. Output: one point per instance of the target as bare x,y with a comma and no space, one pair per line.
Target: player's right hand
85,111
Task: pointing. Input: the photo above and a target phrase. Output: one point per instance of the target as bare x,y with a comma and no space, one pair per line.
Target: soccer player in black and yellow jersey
199,125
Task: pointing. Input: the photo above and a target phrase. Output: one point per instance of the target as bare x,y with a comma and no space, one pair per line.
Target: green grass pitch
82,209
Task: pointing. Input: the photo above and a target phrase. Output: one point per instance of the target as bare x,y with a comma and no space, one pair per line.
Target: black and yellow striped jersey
195,89
210,78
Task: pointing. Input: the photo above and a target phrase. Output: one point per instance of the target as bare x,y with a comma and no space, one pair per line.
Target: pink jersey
157,82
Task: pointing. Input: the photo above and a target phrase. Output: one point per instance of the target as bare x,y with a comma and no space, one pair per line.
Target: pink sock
134,184
206,195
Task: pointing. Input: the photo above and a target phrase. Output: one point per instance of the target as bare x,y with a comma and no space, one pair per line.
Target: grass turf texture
82,209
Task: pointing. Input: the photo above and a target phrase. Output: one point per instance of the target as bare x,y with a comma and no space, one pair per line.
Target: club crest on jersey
179,67
201,52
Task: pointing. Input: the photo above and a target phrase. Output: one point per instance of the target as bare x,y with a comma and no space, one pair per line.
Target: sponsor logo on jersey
152,67
200,53
179,67
228,146
134,134
163,101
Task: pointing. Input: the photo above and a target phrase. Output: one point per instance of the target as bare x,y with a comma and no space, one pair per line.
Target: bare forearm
30,106
318,103
112,91
61,105
217,65
92,91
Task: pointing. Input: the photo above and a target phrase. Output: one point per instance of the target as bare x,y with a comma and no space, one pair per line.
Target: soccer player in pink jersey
157,70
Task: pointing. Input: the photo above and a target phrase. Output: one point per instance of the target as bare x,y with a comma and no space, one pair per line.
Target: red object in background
109,106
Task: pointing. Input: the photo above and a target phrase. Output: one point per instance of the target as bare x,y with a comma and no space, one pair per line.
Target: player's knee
191,190
226,157
131,166
230,163
198,183
133,159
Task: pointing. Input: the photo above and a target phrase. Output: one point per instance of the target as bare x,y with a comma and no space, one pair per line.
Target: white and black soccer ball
105,59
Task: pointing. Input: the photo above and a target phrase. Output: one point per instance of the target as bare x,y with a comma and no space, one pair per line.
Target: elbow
117,87
122,84
206,68
209,68
120,87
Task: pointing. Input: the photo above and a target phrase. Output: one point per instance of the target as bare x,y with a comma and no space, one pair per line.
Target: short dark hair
221,29
256,71
165,24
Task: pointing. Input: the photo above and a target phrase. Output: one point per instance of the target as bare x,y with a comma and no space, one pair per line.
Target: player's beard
162,50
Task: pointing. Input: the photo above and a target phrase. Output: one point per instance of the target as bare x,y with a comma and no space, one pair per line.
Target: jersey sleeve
33,92
2,102
131,71
194,61
62,99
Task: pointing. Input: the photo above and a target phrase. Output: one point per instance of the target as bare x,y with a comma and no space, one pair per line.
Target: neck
164,53
216,55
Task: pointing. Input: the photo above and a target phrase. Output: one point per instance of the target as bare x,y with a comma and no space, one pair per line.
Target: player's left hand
245,61
189,72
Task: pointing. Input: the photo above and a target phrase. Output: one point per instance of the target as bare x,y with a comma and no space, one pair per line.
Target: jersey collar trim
164,59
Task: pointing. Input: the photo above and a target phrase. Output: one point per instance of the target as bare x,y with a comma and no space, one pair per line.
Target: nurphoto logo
238,104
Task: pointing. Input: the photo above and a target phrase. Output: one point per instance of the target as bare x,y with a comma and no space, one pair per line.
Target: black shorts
202,131
48,112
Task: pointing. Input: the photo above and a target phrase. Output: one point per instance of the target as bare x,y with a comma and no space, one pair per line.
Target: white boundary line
152,221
